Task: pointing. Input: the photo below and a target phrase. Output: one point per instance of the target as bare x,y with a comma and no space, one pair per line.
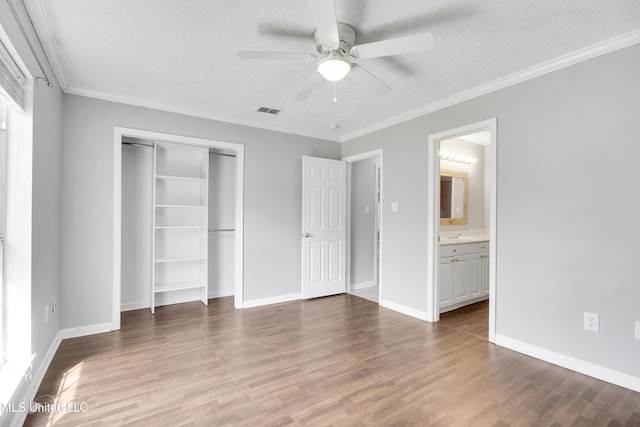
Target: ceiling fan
337,53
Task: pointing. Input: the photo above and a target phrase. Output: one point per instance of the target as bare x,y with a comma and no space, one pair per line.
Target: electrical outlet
46,314
592,322
638,329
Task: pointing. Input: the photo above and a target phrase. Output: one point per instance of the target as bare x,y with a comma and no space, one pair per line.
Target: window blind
11,78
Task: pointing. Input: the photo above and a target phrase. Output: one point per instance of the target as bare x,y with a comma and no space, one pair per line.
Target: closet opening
177,220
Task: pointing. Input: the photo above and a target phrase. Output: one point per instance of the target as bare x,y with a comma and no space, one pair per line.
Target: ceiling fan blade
247,54
398,46
325,19
367,80
290,31
309,86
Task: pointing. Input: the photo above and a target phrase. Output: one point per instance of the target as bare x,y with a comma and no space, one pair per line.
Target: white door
323,226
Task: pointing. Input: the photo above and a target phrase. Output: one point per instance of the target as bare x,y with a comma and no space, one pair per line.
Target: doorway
225,155
365,225
462,227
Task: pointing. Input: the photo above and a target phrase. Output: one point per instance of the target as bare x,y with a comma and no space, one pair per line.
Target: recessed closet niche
178,219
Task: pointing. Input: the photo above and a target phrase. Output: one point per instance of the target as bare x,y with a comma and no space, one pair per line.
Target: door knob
307,235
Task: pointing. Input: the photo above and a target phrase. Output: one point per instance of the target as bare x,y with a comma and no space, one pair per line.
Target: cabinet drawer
463,248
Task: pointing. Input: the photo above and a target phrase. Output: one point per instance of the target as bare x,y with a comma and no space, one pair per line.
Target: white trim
47,36
218,294
36,380
204,114
117,230
578,365
363,156
272,300
433,226
133,306
362,285
83,331
118,134
36,10
238,291
418,314
564,61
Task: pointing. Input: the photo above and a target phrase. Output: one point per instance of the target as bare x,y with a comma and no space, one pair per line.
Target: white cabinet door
484,275
446,281
323,226
475,275
461,278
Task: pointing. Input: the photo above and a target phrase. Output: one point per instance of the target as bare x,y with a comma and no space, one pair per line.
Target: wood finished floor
340,361
472,319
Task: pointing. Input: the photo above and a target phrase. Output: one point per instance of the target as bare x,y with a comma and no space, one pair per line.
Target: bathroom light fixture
457,157
334,67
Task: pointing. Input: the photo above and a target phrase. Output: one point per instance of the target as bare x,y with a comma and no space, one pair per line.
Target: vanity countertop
463,239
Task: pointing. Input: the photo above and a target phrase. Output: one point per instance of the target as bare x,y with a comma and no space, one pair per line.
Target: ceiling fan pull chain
335,97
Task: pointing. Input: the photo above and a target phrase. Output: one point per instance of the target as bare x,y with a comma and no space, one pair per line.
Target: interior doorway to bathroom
462,228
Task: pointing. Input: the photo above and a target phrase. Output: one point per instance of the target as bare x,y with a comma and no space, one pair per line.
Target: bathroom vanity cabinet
464,274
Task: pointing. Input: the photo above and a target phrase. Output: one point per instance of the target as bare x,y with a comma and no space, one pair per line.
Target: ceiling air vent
268,110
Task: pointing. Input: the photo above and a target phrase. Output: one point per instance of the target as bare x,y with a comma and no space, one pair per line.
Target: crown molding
36,10
134,101
564,61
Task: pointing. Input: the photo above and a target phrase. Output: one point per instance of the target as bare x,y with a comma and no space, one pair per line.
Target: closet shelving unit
180,220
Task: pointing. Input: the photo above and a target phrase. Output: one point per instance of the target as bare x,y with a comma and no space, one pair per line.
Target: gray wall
41,200
222,193
363,224
567,154
273,193
137,223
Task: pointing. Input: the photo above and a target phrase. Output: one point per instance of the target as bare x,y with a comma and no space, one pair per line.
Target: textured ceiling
181,55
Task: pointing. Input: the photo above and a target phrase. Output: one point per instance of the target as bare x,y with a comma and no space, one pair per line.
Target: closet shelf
168,287
182,206
180,227
180,259
181,178
180,222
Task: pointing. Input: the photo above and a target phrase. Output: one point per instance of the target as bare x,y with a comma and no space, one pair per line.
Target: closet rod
222,154
137,144
222,229
28,40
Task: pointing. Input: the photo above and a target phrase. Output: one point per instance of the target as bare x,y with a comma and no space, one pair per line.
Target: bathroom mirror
453,197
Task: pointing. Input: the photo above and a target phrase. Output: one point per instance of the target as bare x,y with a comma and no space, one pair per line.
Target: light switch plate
395,207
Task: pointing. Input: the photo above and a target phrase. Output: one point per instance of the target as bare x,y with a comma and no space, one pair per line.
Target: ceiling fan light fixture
334,67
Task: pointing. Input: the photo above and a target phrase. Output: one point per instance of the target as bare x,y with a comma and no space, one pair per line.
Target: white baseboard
31,388
404,309
361,285
130,306
221,293
572,363
85,330
271,300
